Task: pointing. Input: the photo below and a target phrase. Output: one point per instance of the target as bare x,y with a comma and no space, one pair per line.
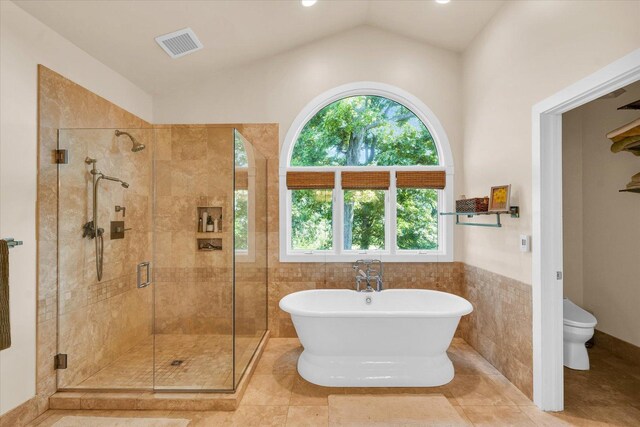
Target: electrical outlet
525,243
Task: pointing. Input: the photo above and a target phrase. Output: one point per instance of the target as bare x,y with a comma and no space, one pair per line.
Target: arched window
365,172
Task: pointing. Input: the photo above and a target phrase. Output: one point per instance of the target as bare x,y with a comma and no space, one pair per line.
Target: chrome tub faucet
368,270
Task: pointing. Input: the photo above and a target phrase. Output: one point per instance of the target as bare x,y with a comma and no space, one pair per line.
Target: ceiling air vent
179,43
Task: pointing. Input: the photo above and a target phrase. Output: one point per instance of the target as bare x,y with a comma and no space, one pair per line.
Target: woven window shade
365,180
310,180
242,179
421,179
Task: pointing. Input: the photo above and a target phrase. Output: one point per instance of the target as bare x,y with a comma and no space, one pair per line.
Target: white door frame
548,378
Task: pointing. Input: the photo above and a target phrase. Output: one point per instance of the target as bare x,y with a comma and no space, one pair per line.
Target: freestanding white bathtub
393,338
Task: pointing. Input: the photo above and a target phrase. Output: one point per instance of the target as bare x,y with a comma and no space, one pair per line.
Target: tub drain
177,362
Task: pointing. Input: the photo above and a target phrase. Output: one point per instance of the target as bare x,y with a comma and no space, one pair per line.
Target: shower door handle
146,283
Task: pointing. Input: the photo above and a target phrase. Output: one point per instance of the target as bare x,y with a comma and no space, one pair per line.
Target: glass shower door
193,302
104,230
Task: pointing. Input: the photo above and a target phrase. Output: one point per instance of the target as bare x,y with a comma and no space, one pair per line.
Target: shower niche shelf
208,245
213,212
208,241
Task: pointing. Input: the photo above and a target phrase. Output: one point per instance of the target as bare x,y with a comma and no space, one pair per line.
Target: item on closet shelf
200,225
210,224
634,185
635,105
626,138
499,199
476,204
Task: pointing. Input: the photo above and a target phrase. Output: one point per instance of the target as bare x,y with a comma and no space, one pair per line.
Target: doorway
547,269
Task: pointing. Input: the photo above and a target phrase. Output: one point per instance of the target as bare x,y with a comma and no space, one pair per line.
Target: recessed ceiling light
443,1
308,3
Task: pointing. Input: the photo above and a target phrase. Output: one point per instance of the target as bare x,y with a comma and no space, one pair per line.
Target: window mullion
392,216
338,215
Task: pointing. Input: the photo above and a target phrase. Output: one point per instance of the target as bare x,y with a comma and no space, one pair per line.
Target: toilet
578,327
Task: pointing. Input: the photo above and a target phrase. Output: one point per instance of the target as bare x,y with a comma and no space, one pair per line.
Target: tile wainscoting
500,327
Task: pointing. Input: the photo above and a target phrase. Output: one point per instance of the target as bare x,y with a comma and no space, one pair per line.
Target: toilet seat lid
577,316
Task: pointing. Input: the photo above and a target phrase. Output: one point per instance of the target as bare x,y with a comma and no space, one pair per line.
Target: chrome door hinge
558,275
60,157
60,361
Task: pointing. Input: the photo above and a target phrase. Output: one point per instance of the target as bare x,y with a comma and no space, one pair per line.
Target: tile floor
205,363
278,396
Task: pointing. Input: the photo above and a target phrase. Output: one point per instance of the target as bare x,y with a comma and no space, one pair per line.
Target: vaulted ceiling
121,33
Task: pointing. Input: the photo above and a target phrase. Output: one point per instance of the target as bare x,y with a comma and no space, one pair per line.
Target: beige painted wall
601,251
24,43
529,51
276,89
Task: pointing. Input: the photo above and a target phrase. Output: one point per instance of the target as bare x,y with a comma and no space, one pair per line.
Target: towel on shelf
5,327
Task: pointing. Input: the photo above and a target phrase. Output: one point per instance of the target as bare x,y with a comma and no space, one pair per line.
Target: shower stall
162,258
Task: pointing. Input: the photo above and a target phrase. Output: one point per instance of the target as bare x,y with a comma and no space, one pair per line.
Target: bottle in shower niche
200,225
215,224
203,219
219,227
209,224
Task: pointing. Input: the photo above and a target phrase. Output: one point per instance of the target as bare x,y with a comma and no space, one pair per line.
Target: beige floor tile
496,416
245,416
473,390
568,417
305,393
308,416
392,410
510,391
466,361
279,360
269,390
611,382
613,415
55,415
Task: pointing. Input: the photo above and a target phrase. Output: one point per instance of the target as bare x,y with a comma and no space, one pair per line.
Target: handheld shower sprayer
91,229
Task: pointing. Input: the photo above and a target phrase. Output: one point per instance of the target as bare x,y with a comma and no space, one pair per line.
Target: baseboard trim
618,347
21,415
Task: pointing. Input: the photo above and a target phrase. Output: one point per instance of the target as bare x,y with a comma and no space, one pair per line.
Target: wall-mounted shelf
514,212
209,234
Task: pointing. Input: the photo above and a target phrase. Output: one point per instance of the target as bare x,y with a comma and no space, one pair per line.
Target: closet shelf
514,212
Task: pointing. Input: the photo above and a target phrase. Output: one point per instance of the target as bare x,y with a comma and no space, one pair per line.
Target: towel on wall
5,327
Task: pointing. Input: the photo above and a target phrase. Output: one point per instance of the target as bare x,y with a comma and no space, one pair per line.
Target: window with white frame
364,175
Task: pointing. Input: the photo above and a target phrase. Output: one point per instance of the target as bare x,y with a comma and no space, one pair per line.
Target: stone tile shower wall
194,292
64,104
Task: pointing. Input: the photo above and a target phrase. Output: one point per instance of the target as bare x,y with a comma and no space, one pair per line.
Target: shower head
137,146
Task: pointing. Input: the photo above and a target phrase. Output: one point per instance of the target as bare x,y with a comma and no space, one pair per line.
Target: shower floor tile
179,362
